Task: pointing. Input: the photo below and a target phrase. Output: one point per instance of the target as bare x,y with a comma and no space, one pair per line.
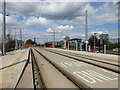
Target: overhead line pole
4,29
86,32
16,41
54,38
86,27
44,39
34,40
21,38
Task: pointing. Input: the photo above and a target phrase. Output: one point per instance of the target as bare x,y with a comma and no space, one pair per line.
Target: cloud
66,27
34,21
113,35
11,22
51,10
106,13
20,8
96,16
66,14
60,28
98,32
49,30
57,11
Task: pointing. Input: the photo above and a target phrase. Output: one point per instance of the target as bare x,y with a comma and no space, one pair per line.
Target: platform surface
91,54
11,67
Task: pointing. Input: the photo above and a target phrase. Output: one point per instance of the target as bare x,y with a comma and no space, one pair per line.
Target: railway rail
46,75
84,75
53,69
26,78
103,60
97,62
37,78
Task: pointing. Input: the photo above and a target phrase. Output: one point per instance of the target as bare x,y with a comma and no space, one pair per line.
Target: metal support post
86,33
16,41
104,49
21,46
4,29
89,48
94,42
86,46
80,46
76,45
53,38
65,44
68,45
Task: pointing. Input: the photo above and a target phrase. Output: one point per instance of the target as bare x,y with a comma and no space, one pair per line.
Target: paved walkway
11,67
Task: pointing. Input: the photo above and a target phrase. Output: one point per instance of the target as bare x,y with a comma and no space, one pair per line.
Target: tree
9,38
10,45
104,38
29,42
91,41
113,45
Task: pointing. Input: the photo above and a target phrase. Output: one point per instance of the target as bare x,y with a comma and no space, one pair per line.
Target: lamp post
16,41
86,32
4,28
94,40
21,45
53,38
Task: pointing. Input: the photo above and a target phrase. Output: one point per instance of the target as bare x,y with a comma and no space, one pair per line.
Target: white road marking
85,77
73,64
91,76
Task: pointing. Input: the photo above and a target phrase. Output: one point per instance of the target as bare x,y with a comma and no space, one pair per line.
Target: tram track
106,61
105,65
57,70
39,74
69,74
37,78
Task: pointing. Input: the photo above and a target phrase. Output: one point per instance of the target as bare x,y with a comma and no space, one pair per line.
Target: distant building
74,43
67,38
58,44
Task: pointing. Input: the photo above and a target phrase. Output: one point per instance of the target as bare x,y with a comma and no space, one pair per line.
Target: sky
41,19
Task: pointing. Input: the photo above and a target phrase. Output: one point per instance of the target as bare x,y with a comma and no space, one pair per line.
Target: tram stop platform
11,67
101,56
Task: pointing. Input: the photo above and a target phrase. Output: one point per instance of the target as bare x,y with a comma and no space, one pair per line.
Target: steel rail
86,57
38,82
81,87
89,62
